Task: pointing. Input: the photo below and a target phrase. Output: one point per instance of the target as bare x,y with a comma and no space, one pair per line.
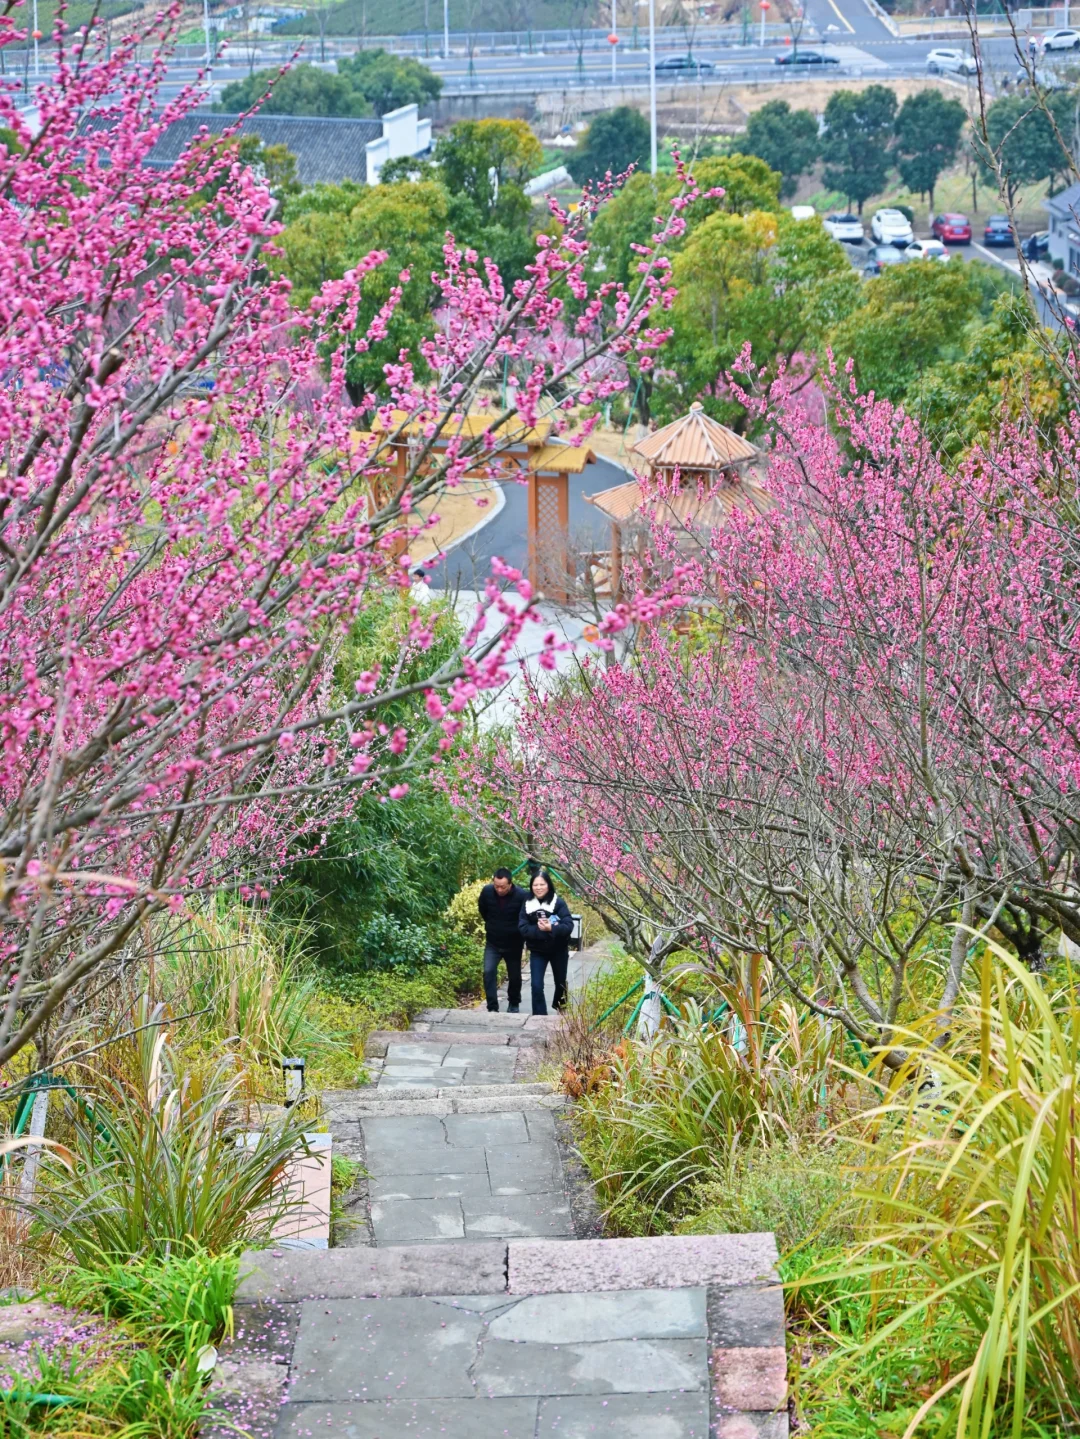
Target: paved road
468,565
859,39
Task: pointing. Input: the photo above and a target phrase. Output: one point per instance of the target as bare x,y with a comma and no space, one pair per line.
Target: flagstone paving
470,1301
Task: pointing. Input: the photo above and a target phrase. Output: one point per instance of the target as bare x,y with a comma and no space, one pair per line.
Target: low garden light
293,1070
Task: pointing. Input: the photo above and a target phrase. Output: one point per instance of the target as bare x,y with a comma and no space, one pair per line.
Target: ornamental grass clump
247,982
161,1162
975,1195
676,1109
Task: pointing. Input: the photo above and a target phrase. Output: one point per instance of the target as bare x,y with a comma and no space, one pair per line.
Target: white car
1061,40
951,62
844,227
891,227
926,250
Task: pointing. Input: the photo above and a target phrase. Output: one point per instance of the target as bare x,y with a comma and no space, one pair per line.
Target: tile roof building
328,149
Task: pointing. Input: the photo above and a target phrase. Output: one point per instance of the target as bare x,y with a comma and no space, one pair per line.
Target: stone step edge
374,1093
498,1019
375,1045
517,1267
394,1107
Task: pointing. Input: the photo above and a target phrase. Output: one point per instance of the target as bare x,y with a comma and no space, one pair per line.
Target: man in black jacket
500,907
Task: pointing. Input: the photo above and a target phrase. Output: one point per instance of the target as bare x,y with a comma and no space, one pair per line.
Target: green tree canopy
303,90
489,161
389,81
370,83
325,238
614,141
858,128
629,218
927,138
768,279
1007,370
786,139
1022,140
911,317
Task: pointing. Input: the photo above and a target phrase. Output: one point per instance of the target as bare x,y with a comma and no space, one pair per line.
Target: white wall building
404,133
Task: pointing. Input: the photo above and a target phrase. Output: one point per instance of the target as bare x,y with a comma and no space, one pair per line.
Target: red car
952,229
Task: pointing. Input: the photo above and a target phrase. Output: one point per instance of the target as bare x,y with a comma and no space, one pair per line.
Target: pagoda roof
695,442
626,505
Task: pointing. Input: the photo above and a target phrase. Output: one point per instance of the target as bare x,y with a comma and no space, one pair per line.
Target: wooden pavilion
696,479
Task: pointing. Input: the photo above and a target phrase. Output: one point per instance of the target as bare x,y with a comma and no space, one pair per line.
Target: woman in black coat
546,927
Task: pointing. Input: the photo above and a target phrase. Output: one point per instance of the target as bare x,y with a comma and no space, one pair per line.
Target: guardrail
885,18
753,73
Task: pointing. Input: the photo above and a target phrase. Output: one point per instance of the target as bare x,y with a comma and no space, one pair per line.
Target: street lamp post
652,85
206,27
446,29
37,38
613,39
764,9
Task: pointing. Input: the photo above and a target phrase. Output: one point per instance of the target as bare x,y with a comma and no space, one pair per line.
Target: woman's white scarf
545,906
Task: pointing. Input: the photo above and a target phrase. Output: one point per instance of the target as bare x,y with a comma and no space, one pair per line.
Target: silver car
946,61
844,227
1061,40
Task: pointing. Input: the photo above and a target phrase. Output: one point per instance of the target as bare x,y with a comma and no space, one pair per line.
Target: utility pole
652,84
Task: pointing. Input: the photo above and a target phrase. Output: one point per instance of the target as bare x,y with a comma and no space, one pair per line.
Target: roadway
846,27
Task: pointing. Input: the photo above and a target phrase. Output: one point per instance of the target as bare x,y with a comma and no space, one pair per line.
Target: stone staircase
470,1296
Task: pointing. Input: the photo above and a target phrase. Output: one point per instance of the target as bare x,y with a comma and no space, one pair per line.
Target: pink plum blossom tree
192,514
860,742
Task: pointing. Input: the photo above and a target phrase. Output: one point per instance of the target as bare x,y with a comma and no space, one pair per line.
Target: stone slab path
469,1297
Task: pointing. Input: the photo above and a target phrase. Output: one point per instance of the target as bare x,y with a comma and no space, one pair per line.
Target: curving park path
472,1297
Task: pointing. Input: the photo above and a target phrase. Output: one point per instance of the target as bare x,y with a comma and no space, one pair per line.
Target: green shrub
384,942
803,1194
462,914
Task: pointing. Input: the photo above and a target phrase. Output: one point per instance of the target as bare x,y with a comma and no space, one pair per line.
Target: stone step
377,1041
429,1019
375,1094
517,1266
509,1100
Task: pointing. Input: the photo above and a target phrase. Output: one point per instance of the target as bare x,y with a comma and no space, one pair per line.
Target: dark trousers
512,955
538,963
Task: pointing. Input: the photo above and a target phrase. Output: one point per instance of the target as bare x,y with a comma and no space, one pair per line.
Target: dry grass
21,1264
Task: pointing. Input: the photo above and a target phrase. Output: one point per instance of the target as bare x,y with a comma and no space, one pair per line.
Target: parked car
806,57
998,231
1037,247
951,229
684,64
951,62
1061,40
880,256
891,227
926,250
845,227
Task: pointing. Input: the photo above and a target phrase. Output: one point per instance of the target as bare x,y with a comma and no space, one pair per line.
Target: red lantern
613,39
37,35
